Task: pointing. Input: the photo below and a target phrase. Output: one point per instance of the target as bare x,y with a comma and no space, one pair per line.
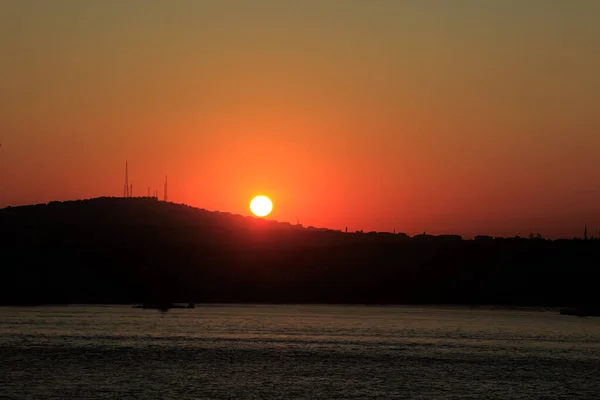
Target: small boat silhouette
581,312
162,306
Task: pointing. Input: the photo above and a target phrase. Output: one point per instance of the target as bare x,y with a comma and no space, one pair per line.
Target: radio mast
126,188
166,183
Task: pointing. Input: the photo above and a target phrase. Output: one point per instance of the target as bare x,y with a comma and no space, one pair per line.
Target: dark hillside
113,250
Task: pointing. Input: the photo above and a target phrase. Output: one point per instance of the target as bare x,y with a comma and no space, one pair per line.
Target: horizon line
531,236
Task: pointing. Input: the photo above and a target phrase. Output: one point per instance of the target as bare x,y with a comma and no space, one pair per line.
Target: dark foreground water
287,352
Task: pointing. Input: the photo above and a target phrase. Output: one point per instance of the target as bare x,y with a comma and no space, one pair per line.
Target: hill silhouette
129,250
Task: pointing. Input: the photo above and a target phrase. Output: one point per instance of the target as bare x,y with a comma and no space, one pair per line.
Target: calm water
257,352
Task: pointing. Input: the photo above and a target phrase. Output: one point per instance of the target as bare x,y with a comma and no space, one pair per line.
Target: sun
261,206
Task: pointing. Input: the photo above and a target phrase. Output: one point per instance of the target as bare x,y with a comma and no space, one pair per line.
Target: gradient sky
464,116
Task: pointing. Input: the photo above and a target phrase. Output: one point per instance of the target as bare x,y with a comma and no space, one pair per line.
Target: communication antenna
126,188
166,183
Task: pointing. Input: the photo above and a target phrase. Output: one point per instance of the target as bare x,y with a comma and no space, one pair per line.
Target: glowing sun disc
261,206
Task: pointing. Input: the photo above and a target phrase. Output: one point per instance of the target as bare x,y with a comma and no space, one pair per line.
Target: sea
297,352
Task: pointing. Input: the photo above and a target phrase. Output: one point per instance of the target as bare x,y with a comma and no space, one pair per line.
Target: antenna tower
126,188
166,182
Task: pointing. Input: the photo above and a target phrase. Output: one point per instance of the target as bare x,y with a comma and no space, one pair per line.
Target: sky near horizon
465,116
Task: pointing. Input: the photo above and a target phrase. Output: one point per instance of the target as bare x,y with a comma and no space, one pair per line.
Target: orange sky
461,117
